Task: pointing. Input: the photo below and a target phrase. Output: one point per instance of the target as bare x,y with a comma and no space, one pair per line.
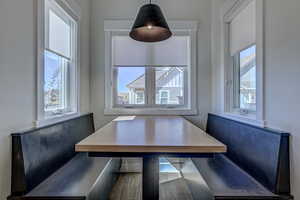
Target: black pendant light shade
150,25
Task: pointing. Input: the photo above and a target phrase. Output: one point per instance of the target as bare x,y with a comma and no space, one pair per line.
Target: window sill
248,119
149,111
55,119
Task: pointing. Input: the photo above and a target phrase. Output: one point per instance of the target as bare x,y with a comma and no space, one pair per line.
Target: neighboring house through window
168,79
170,85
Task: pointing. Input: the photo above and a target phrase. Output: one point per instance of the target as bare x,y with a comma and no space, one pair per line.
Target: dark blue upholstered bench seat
45,165
226,179
256,165
77,179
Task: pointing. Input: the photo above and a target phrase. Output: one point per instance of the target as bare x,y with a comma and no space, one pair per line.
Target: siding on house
170,81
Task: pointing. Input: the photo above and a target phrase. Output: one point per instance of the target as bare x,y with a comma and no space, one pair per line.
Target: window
243,55
130,85
163,97
245,80
243,61
55,83
140,97
58,71
150,78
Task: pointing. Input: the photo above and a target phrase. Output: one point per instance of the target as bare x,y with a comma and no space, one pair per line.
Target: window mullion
236,82
153,82
150,86
113,84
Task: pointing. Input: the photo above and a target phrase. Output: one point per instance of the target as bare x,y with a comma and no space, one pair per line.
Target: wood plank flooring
129,184
128,187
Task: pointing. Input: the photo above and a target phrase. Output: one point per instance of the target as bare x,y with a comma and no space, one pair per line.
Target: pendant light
150,25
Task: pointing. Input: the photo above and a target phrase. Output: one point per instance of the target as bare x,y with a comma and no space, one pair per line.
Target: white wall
216,55
18,74
282,72
85,56
282,75
199,10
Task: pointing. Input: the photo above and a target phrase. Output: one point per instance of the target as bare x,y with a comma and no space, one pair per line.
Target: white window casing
150,57
233,41
66,13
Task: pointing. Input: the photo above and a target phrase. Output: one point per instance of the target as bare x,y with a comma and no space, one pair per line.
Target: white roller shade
243,29
172,52
128,52
59,35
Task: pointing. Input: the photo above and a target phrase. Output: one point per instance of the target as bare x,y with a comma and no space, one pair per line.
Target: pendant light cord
150,1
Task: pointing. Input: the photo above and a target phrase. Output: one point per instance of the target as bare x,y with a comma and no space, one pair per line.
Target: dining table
150,137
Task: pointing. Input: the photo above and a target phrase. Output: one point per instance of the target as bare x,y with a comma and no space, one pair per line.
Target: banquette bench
46,166
256,165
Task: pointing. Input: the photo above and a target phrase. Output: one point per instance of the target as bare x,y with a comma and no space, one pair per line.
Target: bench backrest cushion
261,152
39,152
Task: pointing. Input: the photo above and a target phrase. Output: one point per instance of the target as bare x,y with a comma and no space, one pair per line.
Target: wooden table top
151,134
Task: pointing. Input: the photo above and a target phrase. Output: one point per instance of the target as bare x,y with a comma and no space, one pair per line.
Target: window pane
130,85
59,35
248,78
169,85
55,83
140,97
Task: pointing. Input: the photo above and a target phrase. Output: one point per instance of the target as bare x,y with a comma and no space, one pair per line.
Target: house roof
247,64
139,83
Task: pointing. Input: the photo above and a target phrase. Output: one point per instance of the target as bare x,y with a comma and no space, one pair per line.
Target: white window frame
122,27
73,10
236,86
229,11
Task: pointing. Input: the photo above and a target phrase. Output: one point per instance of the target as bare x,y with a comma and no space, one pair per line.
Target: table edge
149,149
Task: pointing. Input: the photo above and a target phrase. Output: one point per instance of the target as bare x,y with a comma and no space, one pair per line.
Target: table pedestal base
151,177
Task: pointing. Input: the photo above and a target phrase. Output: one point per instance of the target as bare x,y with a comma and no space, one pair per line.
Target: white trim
40,58
112,27
260,60
56,119
231,9
245,119
236,7
150,86
108,75
72,9
149,111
